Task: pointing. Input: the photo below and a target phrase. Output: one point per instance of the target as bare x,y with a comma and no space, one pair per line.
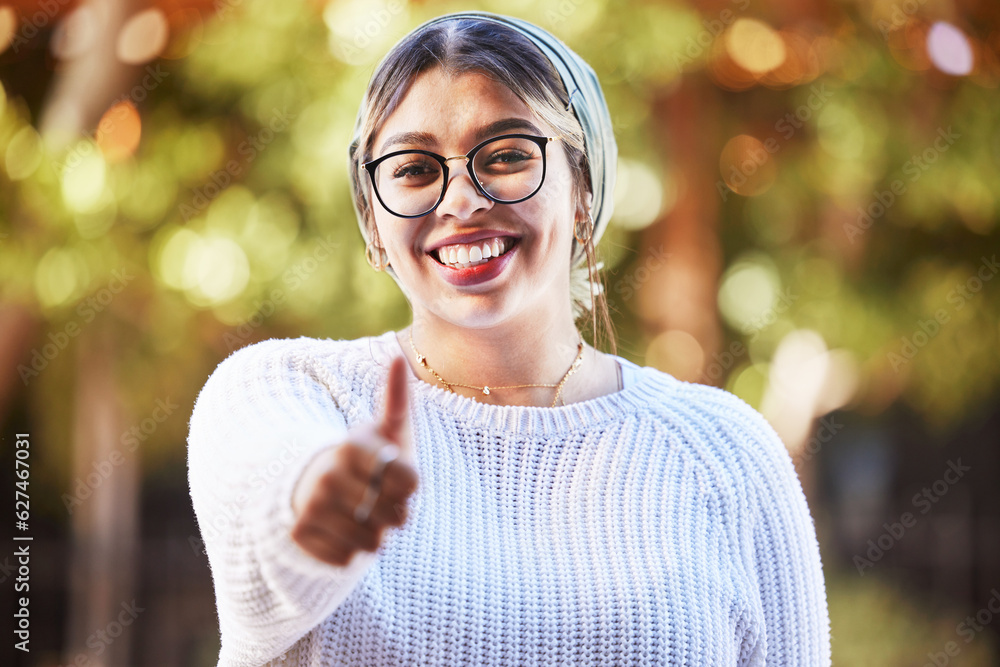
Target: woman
520,497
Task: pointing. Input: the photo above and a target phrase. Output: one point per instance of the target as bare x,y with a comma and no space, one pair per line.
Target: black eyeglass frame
469,157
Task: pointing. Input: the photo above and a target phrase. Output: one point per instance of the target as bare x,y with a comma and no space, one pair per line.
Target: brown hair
511,59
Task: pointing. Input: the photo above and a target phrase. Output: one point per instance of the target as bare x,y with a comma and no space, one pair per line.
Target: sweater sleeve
779,549
261,417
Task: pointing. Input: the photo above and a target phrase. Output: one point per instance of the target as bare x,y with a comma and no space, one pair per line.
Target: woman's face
450,115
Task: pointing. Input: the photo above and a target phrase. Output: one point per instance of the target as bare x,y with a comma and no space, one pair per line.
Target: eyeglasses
507,169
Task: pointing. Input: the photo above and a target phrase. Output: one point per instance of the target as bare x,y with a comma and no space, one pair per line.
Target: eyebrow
483,133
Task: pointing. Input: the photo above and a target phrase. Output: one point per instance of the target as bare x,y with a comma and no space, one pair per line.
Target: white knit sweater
659,525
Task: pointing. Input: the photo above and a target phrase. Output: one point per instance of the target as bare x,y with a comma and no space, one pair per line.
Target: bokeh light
209,268
143,37
24,154
83,181
755,46
746,165
749,382
800,64
840,386
638,195
361,30
61,275
798,373
677,353
76,33
169,254
748,292
949,49
119,131
220,268
8,26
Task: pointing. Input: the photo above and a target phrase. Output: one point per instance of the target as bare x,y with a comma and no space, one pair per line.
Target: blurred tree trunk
88,83
104,525
18,328
682,296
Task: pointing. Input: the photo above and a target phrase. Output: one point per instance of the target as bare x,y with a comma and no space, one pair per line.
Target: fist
335,483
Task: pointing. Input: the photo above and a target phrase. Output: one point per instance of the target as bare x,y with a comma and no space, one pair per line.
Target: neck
537,350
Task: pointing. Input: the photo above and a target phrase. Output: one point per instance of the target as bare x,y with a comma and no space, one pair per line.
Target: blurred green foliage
875,623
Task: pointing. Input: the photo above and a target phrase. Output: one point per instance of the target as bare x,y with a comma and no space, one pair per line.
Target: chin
473,312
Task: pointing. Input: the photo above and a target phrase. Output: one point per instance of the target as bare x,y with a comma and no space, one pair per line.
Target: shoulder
735,420
293,367
731,439
720,414
287,352
276,356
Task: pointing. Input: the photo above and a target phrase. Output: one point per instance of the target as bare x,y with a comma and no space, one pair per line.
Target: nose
461,197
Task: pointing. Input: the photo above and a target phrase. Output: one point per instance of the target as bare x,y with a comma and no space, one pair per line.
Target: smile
466,255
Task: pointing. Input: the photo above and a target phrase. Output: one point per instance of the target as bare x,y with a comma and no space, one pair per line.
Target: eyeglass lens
507,168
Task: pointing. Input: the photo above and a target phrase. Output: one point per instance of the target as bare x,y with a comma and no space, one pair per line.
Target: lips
475,273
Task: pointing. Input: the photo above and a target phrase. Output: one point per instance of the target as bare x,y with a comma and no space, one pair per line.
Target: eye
508,156
417,168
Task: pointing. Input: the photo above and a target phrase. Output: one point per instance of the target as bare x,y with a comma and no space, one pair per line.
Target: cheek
399,239
553,218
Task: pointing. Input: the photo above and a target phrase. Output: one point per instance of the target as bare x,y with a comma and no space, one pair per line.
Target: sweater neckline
648,387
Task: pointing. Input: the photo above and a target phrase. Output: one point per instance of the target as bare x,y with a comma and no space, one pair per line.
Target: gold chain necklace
422,360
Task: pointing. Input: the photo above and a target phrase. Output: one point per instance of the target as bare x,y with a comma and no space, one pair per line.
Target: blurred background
806,215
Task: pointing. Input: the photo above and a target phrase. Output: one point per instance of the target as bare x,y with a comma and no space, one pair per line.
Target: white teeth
464,255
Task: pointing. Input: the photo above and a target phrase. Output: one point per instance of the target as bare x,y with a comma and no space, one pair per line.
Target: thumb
394,425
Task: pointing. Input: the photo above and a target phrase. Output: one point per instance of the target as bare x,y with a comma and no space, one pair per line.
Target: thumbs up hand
351,492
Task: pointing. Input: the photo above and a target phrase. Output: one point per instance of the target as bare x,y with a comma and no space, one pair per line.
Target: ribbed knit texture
659,525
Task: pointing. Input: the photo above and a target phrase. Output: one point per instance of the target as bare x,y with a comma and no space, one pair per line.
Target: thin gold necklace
422,360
